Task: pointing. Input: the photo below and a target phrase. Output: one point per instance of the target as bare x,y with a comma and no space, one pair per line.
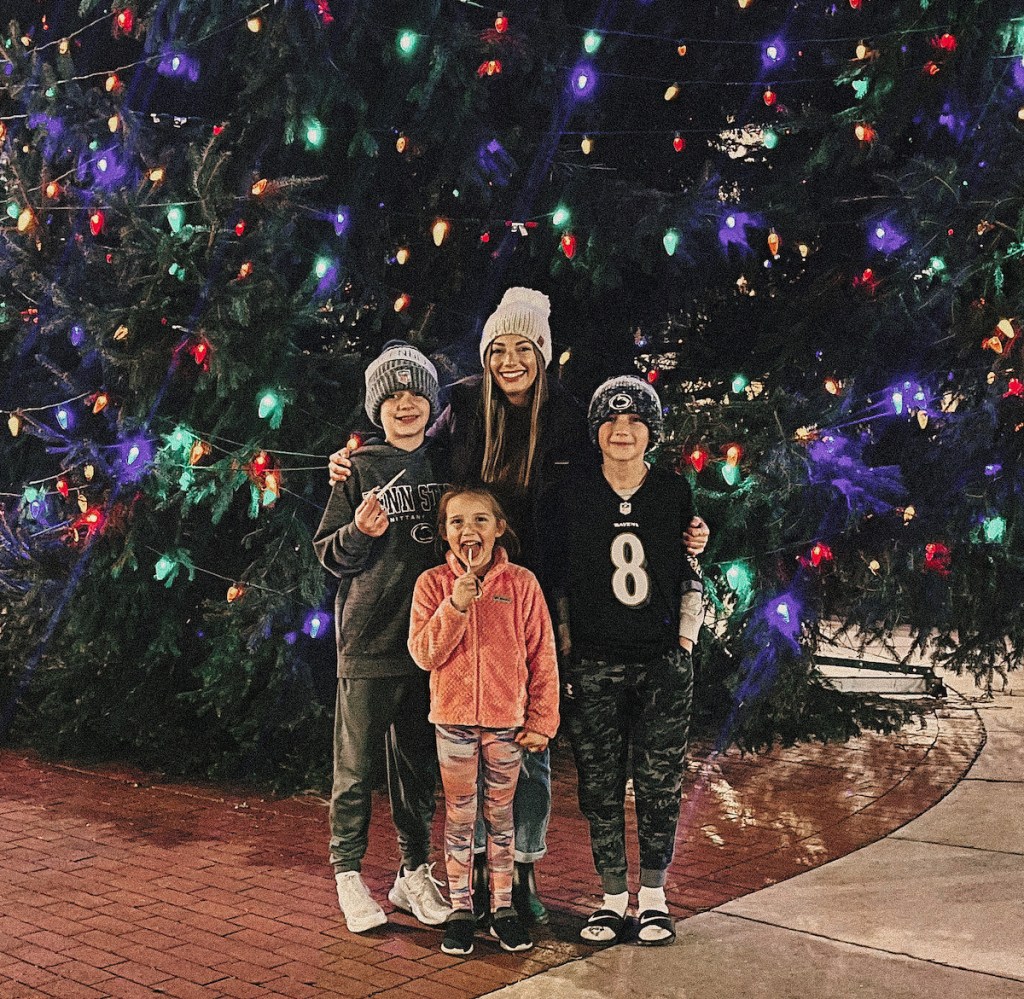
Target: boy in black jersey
628,617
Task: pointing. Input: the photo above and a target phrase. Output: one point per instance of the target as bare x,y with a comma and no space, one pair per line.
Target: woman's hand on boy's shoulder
696,536
339,465
532,742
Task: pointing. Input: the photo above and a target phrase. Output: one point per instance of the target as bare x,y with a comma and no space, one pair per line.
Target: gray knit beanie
521,312
399,366
626,394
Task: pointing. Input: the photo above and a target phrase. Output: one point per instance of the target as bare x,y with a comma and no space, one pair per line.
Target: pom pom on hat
399,366
626,394
521,312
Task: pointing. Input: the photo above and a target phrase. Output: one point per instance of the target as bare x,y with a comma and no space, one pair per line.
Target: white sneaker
361,912
418,893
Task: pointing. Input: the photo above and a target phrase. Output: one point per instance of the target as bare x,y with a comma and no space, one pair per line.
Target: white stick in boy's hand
381,490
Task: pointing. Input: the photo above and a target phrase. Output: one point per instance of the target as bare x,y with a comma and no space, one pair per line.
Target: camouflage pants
610,708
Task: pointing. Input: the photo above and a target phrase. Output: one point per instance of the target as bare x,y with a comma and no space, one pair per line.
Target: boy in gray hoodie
376,535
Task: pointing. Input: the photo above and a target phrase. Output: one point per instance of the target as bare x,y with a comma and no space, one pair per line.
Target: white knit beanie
521,312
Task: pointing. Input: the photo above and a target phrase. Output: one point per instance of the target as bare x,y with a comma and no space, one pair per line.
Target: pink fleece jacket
495,664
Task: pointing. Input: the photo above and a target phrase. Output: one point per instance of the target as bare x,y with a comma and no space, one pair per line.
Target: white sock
651,898
617,903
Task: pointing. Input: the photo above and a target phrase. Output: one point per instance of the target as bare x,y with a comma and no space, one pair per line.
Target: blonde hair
504,460
509,540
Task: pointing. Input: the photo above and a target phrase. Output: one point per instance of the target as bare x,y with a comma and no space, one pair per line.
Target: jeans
531,810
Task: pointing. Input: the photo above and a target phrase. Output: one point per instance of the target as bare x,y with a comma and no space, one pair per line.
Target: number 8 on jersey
630,582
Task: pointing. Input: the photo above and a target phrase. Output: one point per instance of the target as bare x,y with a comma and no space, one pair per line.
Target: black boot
524,896
481,889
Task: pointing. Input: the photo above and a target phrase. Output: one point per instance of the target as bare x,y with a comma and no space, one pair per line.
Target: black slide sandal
661,920
605,919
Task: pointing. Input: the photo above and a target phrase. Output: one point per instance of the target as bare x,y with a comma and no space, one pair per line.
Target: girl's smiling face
471,529
512,361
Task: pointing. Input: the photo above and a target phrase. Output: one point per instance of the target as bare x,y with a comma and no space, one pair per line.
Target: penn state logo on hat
620,402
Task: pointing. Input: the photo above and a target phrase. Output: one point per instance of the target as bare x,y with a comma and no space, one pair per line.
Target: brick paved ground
114,885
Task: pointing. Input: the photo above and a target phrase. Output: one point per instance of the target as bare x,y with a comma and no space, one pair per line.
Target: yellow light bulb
121,333
564,357
402,255
113,123
157,175
1005,326
672,92
587,145
14,424
26,220
439,231
254,24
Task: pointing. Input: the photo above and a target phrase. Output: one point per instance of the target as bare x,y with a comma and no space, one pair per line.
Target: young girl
481,627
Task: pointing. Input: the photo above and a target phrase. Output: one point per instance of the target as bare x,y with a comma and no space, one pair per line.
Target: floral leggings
463,750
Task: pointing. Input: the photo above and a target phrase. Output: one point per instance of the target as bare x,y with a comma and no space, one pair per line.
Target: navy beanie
626,394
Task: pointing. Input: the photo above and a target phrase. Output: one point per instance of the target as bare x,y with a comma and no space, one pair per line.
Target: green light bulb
739,383
268,403
176,218
739,578
995,530
313,132
592,42
670,241
560,216
771,139
731,474
408,41
322,266
164,566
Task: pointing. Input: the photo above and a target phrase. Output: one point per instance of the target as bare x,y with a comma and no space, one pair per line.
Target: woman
515,431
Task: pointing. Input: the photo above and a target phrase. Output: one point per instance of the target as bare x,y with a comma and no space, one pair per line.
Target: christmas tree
804,223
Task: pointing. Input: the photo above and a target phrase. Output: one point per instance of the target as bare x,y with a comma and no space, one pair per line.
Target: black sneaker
458,934
509,931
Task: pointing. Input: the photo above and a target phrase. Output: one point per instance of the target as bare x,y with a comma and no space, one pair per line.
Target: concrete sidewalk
936,908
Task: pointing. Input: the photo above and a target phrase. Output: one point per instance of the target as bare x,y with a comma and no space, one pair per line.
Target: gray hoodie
378,575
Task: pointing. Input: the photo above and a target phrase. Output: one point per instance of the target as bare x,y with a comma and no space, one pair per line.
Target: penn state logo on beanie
399,366
521,312
626,394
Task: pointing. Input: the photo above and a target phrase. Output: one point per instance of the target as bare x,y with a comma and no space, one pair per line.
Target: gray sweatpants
368,711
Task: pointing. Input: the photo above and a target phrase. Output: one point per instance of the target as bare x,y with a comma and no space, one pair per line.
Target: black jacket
563,438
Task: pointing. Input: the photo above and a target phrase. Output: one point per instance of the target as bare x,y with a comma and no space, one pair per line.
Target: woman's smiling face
512,361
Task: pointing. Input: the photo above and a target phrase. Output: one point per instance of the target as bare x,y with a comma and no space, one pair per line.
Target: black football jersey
626,563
